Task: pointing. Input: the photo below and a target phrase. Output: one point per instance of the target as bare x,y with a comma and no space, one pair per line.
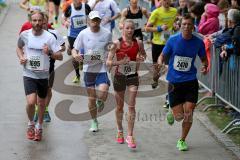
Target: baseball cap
94,14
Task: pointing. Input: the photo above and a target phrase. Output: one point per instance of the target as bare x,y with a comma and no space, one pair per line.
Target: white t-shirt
93,45
105,9
37,66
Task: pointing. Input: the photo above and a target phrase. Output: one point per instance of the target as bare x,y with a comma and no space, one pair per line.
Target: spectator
223,6
209,22
235,4
231,36
196,10
182,9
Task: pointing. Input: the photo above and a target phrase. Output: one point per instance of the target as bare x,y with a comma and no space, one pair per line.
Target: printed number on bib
93,56
79,22
128,69
182,63
35,63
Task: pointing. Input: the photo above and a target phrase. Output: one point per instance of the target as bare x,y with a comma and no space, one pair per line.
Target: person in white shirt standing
90,47
33,51
108,11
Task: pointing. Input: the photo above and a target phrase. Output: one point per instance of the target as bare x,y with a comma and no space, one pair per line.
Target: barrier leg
204,98
227,128
212,105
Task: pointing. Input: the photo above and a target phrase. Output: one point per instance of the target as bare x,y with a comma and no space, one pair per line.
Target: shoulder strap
53,35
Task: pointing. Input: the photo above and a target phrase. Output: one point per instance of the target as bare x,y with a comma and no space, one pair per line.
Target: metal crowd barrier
222,81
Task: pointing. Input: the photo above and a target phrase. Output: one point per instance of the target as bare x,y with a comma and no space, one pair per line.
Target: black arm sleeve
87,9
68,12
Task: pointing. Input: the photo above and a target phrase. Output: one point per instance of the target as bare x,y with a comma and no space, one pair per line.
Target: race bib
182,63
79,22
93,57
137,23
35,62
127,69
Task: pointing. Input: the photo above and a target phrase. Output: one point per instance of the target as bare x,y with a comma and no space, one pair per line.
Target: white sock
31,123
39,126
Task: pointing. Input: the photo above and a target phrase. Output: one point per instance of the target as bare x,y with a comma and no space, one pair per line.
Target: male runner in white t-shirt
90,48
33,53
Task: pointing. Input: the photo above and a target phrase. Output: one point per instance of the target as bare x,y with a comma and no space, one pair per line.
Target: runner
54,12
182,50
90,48
60,41
108,11
33,53
75,19
135,13
161,24
32,5
129,52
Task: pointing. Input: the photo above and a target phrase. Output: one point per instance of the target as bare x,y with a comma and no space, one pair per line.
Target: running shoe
120,138
94,126
38,135
182,145
166,105
154,84
131,142
46,117
170,118
76,79
100,105
31,132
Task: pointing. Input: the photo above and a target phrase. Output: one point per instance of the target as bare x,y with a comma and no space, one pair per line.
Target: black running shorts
120,81
179,93
39,86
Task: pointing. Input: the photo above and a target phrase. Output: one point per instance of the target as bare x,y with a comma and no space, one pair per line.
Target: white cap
94,14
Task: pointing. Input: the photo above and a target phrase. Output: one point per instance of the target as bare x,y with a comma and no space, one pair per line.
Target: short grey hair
234,15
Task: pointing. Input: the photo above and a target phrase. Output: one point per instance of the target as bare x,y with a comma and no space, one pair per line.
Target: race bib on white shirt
79,22
182,63
35,61
128,69
92,56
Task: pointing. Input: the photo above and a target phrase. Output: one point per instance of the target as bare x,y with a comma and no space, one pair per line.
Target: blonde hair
129,21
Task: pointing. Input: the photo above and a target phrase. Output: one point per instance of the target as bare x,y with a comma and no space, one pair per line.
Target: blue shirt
182,54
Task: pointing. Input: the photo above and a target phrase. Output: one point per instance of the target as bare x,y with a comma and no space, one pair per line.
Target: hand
66,23
23,60
106,20
204,69
223,54
140,58
78,57
164,27
45,49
